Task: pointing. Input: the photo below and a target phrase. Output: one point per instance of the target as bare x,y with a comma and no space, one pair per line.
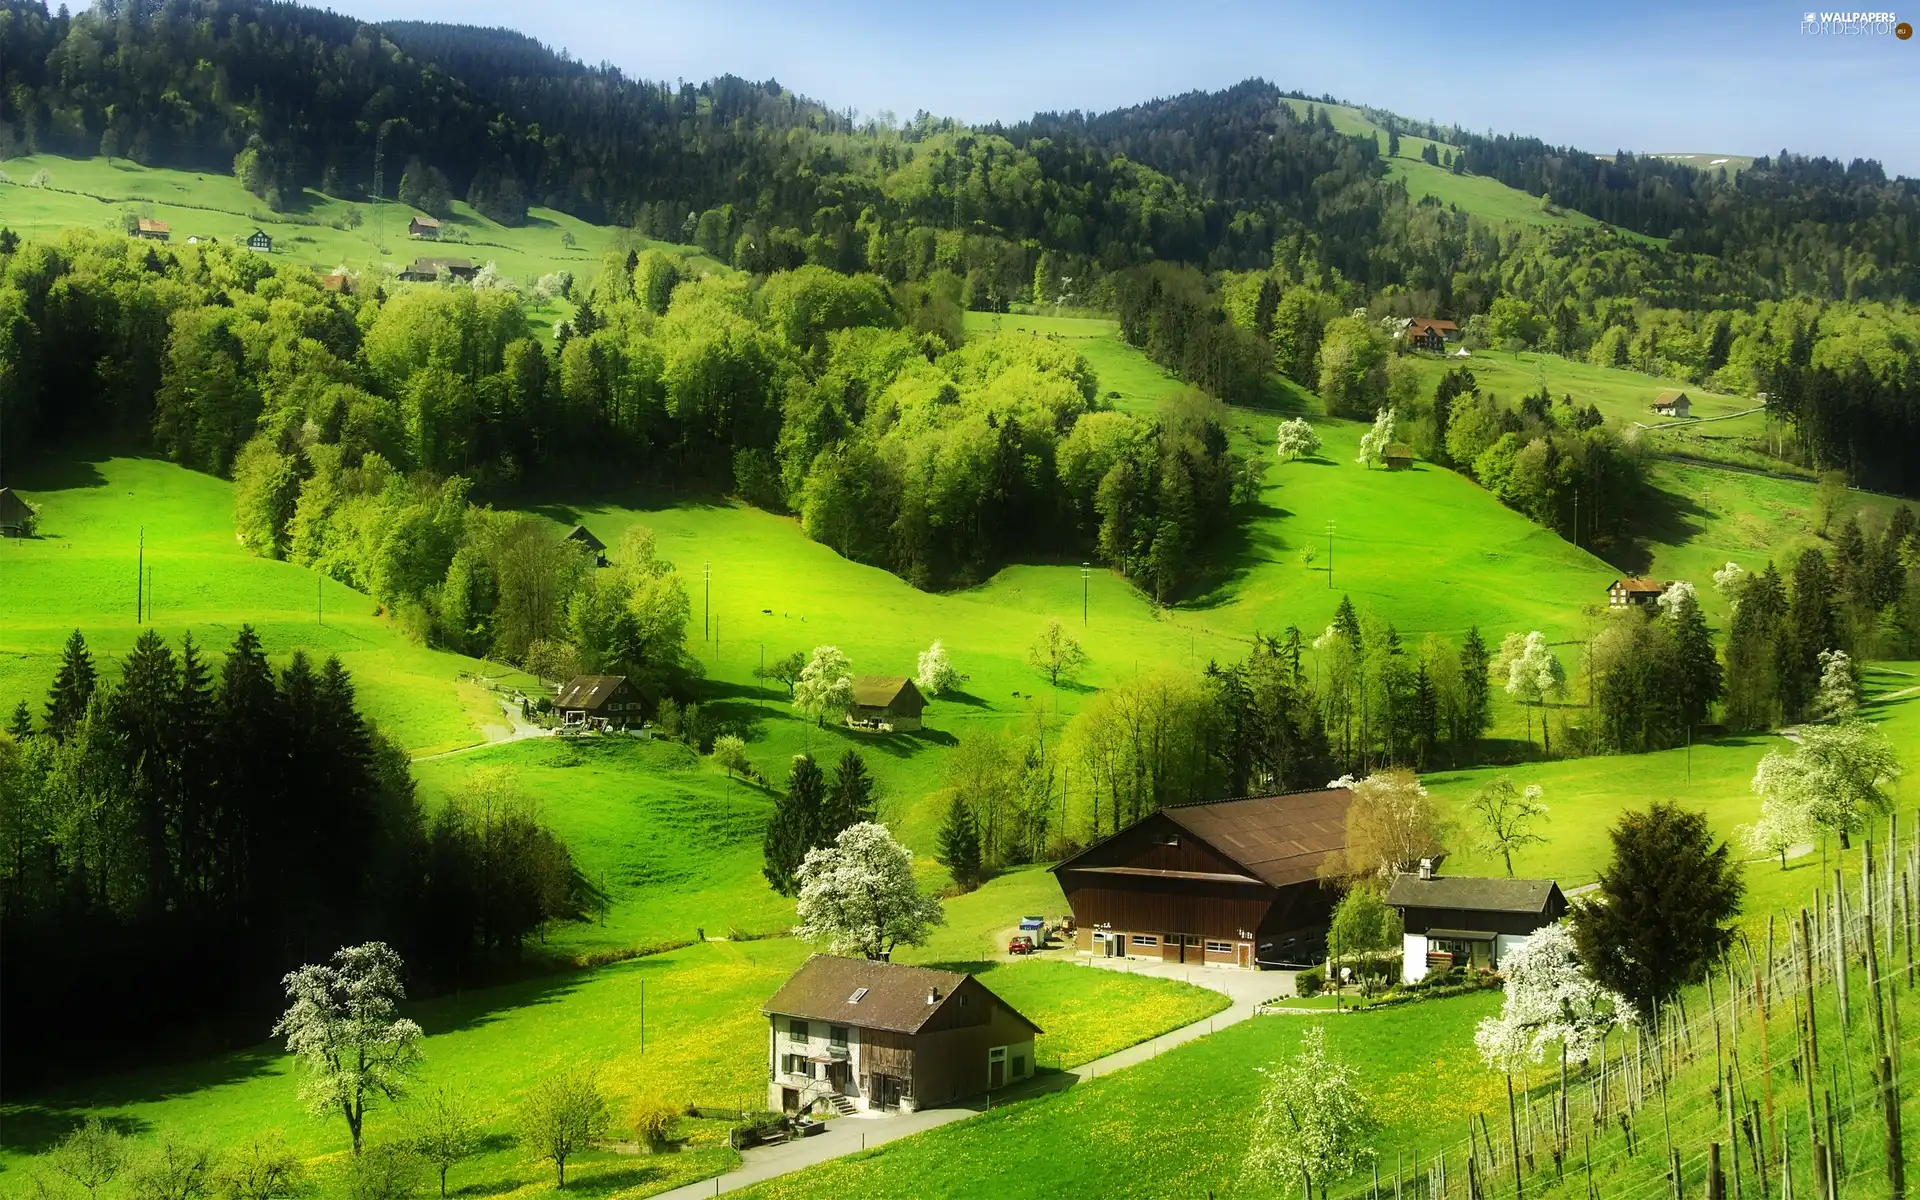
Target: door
789,1100
1246,955
996,1072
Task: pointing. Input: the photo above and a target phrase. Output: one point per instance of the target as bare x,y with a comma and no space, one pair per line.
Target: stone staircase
843,1105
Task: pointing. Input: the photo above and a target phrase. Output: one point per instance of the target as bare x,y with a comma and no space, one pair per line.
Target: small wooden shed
886,700
1398,456
1672,403
423,227
583,537
17,517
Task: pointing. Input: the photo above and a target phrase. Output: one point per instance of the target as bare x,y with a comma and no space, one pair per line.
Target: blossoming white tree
1374,442
859,895
1835,778
342,1031
1297,439
936,672
1533,673
1550,1001
1727,582
1839,692
825,686
1313,1122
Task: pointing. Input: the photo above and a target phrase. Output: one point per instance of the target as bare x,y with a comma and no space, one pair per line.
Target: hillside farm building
1424,333
1234,883
16,515
1398,456
1634,589
154,231
1460,920
598,702
423,227
260,240
581,536
886,702
1672,403
427,270
850,1034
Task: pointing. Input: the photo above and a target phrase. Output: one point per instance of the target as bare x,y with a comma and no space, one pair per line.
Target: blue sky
1711,77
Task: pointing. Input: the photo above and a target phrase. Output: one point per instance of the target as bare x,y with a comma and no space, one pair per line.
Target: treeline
194,823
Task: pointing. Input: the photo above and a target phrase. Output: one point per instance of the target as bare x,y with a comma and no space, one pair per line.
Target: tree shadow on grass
1249,543
57,473
38,1128
967,698
1664,517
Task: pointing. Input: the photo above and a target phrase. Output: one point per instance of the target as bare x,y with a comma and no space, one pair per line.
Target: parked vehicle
1020,943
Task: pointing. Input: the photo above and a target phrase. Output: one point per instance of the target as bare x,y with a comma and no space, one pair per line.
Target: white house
1464,920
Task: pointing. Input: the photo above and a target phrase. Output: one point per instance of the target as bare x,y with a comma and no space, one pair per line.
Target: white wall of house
790,1062
1413,968
1506,944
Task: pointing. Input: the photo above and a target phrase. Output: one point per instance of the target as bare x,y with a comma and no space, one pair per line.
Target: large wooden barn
1235,883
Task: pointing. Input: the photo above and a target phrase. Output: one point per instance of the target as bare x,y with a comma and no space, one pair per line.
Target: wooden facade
1228,884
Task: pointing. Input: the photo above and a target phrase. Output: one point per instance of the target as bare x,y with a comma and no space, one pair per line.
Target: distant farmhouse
1398,456
598,702
1234,883
886,702
17,517
1426,333
260,240
851,1035
1634,589
1458,920
1672,403
423,227
428,270
581,536
154,231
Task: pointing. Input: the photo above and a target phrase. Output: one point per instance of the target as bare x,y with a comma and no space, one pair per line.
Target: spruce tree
72,687
1425,716
195,770
1810,629
250,750
959,845
1664,909
21,727
1696,667
1475,711
142,717
849,801
1347,622
796,818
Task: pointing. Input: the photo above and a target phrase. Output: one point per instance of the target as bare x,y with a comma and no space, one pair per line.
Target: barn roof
148,225
1279,840
12,508
880,691
429,222
868,994
1398,450
588,691
1638,583
581,534
1669,396
1467,893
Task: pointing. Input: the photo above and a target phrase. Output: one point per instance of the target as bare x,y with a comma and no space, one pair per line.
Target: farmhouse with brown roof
1634,589
423,227
886,702
154,231
1234,883
1427,333
851,1034
598,702
1672,403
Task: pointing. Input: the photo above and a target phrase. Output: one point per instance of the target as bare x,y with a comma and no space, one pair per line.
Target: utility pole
707,611
1329,555
319,612
1576,518
1084,571
140,580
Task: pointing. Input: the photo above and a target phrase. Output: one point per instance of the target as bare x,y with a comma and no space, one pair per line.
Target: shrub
1309,982
653,1123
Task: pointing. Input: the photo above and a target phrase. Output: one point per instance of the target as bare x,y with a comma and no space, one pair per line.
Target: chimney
1426,868
933,995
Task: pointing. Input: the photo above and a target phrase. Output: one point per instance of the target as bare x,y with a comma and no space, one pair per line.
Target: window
1145,939
1019,1065
997,1054
858,995
797,1030
963,999
838,1036
1219,947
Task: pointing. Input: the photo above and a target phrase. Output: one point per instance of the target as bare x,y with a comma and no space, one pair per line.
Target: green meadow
676,844
316,230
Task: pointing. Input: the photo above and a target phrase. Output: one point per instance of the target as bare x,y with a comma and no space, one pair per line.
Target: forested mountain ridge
293,97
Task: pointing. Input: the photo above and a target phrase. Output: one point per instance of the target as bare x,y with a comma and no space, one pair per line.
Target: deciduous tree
1055,652
342,1030
1507,815
859,895
1297,439
825,686
562,1114
936,673
1551,1000
1313,1124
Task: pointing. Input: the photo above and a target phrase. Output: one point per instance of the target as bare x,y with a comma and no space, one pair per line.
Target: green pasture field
313,232
1177,1125
82,571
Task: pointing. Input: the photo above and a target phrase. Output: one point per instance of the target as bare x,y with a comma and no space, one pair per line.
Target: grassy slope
217,206
81,572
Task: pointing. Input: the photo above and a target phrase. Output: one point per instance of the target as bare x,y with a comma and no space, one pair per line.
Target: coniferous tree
1810,629
1696,666
1424,716
72,686
21,726
1476,713
849,800
247,738
143,713
1756,651
795,824
959,845
194,772
1664,909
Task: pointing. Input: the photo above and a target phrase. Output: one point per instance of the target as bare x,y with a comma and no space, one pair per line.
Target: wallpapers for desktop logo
1855,24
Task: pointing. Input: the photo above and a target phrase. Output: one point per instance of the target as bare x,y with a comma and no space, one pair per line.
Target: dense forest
200,821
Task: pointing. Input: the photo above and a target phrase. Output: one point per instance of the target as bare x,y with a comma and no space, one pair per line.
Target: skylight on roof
857,993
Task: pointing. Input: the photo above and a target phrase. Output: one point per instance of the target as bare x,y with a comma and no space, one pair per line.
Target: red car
1020,943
